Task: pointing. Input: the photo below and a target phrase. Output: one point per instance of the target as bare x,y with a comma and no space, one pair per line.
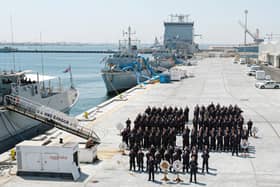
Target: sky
103,21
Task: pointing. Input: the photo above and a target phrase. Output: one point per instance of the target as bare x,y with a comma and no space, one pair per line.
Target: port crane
255,36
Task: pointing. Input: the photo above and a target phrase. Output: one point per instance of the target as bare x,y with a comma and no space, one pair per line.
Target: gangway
49,116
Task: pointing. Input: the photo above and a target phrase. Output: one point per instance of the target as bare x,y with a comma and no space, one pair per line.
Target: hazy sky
103,20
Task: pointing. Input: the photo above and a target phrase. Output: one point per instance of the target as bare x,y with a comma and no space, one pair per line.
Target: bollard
86,115
13,154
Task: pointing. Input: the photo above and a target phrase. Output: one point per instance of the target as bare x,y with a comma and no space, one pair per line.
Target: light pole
245,32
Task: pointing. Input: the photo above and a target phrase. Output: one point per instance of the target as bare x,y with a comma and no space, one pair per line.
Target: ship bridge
49,117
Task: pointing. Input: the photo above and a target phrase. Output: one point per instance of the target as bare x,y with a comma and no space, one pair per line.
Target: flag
67,70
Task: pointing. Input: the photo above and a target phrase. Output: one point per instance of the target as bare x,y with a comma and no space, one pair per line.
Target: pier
57,51
141,51
215,80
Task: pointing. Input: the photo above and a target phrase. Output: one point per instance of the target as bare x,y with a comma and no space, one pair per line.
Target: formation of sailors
153,137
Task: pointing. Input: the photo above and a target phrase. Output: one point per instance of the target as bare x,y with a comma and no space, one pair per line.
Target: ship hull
116,82
16,128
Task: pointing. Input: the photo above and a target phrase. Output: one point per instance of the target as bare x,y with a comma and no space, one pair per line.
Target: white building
269,52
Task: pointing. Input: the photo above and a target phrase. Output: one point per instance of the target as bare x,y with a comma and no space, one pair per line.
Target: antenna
42,61
12,40
129,33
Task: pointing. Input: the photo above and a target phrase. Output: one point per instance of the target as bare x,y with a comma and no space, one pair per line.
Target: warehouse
269,52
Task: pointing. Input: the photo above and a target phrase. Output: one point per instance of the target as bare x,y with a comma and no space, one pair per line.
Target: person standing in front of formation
205,157
193,168
250,125
151,167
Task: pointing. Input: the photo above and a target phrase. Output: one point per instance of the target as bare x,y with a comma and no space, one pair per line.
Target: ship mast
129,34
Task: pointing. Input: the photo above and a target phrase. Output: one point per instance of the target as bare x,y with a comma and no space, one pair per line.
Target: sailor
250,125
186,114
157,159
140,160
234,145
151,168
193,168
213,139
185,137
226,141
206,138
148,154
200,139
146,138
186,159
193,138
167,156
128,122
131,140
157,139
220,141
205,156
125,136
132,160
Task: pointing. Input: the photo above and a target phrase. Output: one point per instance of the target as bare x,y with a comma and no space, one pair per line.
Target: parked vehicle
253,69
260,75
268,84
242,61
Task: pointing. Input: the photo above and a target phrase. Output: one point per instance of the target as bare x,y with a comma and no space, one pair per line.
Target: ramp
49,116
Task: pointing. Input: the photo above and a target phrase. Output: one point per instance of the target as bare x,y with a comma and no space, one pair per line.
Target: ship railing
49,116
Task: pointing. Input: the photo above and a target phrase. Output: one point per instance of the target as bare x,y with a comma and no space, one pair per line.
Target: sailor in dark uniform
151,168
128,122
226,141
205,157
186,159
132,156
193,169
220,141
157,159
140,160
186,114
185,137
213,139
234,145
250,125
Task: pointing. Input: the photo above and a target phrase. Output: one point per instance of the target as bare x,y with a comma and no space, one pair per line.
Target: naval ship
125,69
15,127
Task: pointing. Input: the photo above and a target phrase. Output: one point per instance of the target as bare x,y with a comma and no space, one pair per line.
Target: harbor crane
255,37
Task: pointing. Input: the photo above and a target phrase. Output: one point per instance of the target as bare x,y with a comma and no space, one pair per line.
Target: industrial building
269,52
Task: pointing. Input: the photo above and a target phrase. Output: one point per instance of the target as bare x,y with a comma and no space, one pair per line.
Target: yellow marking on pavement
106,154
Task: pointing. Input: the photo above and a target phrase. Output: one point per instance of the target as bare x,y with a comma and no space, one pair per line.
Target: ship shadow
83,177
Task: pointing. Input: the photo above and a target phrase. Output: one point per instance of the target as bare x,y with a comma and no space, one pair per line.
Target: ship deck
215,80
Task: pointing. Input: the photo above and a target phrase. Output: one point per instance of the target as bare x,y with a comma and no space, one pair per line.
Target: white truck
268,84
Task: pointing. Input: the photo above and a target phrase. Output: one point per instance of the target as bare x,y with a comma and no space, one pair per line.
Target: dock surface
215,80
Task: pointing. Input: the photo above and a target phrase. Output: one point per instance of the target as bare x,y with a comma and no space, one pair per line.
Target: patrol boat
125,69
34,87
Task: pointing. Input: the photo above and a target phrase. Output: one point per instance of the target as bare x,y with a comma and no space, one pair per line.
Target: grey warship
15,127
125,69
